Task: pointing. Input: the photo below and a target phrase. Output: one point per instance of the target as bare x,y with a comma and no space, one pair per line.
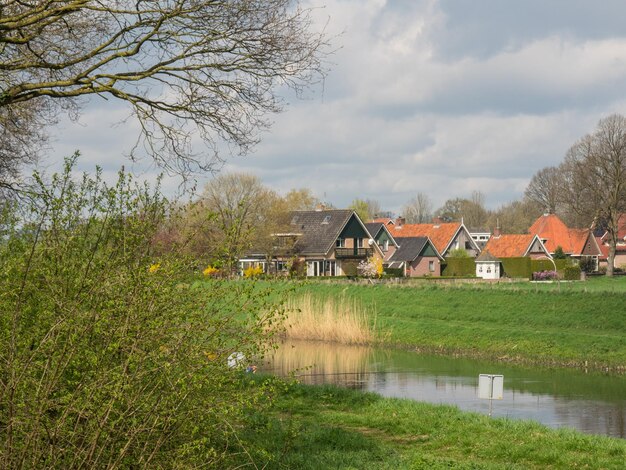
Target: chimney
320,207
437,221
400,221
496,231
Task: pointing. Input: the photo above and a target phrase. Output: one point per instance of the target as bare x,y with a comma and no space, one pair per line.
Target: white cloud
429,96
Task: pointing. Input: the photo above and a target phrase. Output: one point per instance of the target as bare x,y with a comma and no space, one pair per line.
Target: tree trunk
611,259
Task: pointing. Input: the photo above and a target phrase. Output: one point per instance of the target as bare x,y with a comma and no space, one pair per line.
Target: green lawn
325,427
522,322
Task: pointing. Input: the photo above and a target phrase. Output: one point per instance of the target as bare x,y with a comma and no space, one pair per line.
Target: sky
443,97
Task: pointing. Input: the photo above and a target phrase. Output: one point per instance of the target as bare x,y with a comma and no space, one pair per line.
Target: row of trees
589,186
234,213
588,189
514,217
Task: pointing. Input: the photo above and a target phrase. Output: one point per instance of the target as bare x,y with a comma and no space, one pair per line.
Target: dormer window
326,220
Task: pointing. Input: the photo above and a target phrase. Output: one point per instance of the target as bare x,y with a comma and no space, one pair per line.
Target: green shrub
112,357
394,272
571,273
587,264
458,267
559,253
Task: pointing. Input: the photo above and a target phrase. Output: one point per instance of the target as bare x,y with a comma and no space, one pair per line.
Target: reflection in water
594,404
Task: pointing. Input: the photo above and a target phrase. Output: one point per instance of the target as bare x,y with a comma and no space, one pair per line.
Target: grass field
571,325
324,427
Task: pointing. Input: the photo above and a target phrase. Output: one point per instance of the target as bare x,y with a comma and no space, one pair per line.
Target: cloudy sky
437,96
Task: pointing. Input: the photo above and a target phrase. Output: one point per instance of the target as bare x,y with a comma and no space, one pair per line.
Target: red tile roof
555,233
384,220
509,246
440,234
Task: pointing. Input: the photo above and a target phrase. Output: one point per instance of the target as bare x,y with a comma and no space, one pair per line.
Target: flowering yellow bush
253,271
210,271
154,268
378,263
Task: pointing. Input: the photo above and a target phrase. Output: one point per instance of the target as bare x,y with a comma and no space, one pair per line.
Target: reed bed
333,319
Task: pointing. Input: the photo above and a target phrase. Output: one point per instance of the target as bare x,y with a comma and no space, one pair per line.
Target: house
326,242
488,266
383,238
516,246
499,247
480,236
576,243
444,236
416,256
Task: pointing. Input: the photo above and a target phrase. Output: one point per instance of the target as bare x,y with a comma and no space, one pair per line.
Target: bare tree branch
187,68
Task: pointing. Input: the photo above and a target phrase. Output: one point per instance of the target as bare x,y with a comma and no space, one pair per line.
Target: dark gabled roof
409,249
374,227
319,229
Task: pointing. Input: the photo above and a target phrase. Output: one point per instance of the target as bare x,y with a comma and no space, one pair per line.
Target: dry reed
340,320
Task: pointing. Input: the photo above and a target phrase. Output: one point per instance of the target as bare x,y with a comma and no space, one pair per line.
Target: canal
589,402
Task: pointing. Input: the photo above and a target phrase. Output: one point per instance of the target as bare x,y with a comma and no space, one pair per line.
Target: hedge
571,273
517,267
524,267
394,272
458,267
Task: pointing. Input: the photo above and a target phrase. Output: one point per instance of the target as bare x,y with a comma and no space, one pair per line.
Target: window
326,220
431,266
359,243
488,269
480,268
340,243
385,245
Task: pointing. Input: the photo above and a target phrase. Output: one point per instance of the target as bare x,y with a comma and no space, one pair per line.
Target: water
592,403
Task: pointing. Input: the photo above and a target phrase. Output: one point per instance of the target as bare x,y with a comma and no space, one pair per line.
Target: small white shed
488,266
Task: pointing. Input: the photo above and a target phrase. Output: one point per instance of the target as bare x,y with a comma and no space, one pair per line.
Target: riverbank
312,427
582,325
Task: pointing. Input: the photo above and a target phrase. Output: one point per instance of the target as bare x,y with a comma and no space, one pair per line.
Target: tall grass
341,319
574,329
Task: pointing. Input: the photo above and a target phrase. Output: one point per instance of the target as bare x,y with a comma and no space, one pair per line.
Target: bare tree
475,214
21,139
418,210
471,211
185,68
596,176
367,209
545,189
300,200
239,207
514,217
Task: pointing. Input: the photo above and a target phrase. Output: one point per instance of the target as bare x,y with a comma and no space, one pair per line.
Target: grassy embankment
324,427
582,323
